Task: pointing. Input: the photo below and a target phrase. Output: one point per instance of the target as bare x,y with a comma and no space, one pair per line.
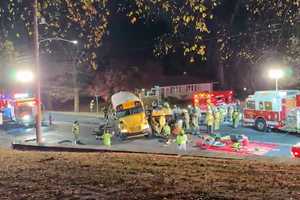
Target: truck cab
269,109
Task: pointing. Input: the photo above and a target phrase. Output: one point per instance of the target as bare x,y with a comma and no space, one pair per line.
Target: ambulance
273,109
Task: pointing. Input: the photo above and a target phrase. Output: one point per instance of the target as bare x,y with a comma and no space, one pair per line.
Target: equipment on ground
273,109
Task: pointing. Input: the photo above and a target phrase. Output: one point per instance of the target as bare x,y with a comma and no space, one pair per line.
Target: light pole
37,73
36,44
276,74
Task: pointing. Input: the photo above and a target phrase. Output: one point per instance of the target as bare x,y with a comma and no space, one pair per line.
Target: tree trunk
221,77
76,100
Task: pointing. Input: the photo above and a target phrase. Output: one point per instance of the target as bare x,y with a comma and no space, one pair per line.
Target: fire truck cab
18,110
271,109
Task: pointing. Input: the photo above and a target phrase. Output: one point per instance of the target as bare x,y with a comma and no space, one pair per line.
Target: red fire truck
217,98
18,110
273,109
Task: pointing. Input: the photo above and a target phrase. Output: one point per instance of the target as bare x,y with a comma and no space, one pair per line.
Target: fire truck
18,110
273,109
217,98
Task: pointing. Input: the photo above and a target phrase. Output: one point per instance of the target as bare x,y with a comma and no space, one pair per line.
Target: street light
24,76
58,39
276,74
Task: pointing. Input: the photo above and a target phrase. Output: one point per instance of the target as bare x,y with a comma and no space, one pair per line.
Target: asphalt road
60,133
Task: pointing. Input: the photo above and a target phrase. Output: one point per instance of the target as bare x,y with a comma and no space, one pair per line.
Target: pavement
60,135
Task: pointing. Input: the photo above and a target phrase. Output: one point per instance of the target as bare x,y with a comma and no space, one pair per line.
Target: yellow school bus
130,116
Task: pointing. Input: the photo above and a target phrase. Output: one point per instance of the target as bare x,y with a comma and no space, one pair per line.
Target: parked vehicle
273,109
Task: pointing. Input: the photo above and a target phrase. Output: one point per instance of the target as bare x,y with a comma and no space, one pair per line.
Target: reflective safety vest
181,139
107,139
209,119
166,130
235,115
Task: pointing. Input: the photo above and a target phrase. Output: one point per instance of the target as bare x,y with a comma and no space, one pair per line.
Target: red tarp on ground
253,148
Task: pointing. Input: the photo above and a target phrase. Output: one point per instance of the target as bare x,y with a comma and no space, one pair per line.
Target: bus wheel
260,124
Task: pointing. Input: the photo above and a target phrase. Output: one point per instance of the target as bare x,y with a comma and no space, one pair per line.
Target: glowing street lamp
24,76
276,74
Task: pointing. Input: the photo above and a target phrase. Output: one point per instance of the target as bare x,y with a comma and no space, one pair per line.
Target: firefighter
222,115
186,120
235,118
195,121
107,138
155,125
217,120
210,121
76,132
92,104
230,113
162,122
181,140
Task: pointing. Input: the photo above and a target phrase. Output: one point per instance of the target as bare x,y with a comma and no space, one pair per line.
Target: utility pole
38,117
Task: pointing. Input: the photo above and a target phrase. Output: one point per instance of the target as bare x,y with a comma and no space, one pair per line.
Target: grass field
37,175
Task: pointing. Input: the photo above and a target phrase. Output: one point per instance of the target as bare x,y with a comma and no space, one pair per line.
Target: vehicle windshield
131,111
24,109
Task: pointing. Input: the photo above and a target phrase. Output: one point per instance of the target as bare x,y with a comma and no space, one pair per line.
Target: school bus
130,116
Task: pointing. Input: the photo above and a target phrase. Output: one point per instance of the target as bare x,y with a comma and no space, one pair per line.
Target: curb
47,148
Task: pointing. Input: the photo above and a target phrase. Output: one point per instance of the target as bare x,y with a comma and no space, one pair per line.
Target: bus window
250,105
261,106
268,105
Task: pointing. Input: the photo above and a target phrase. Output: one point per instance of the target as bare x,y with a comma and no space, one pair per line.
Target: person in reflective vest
217,120
230,113
235,119
76,131
106,139
166,131
181,140
92,103
210,122
186,120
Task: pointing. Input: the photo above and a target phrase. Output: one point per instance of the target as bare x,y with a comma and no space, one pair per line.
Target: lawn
40,175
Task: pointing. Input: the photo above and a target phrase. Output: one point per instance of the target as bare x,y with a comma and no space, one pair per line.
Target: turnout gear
166,131
107,139
217,120
235,119
181,140
186,120
92,103
76,131
210,122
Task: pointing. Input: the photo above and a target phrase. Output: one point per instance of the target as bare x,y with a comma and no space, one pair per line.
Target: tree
263,35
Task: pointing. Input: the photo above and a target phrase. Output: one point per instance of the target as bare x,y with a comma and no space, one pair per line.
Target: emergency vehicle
217,99
18,110
273,109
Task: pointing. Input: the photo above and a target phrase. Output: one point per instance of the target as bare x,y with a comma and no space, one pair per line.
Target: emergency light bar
21,95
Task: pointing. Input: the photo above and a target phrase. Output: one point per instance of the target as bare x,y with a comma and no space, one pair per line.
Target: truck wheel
260,124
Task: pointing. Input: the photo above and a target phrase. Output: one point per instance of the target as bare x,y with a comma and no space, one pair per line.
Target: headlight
124,130
26,118
146,126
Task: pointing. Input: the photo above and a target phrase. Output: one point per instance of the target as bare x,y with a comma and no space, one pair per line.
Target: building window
261,106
